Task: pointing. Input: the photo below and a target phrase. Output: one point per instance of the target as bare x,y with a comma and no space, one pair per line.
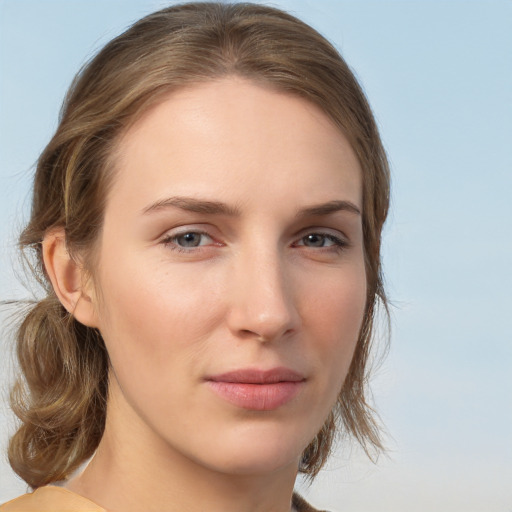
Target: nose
262,304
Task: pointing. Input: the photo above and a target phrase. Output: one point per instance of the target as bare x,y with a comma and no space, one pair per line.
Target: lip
257,390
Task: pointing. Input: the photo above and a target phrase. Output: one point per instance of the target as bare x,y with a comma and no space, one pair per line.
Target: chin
251,464
258,451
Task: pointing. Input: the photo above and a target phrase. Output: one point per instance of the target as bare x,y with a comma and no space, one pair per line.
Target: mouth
258,390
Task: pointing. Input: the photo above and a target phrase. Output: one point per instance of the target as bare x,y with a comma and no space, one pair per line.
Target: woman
206,222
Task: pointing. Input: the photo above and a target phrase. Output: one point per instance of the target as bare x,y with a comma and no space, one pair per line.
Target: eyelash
339,244
170,241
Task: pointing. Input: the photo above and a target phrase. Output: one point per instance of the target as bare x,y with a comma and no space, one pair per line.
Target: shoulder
301,505
50,498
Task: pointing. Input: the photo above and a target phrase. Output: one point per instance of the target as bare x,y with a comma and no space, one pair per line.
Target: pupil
189,240
315,240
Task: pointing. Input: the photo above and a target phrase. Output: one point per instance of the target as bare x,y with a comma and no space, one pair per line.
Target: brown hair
60,396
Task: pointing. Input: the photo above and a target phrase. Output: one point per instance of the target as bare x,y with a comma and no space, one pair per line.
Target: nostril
265,337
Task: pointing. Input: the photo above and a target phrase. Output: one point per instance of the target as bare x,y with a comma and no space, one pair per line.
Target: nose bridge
262,295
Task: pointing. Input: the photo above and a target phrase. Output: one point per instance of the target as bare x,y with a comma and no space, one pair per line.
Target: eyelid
169,237
339,240
181,229
324,231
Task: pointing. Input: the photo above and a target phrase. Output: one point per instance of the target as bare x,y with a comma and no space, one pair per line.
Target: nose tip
263,306
266,329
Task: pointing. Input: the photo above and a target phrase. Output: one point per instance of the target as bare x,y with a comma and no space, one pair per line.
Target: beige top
58,499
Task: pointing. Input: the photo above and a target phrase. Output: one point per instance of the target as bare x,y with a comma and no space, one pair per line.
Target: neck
134,482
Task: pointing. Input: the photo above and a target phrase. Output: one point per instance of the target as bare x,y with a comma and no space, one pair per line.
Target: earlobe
68,278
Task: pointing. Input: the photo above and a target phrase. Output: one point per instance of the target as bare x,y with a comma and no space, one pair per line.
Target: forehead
235,138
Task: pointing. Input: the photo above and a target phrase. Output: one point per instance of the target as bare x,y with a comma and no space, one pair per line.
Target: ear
69,279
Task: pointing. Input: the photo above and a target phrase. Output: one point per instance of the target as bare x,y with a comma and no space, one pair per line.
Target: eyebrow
191,204
328,208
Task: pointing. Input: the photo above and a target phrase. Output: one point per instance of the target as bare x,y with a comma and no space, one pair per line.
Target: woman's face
231,283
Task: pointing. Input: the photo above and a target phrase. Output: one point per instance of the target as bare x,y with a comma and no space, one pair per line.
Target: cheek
156,315
333,316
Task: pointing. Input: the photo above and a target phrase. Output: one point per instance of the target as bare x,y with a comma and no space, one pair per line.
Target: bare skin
232,240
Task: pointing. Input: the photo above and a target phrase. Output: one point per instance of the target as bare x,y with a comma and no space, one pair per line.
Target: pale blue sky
439,77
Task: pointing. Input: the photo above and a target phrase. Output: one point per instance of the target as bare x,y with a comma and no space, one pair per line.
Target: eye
321,240
187,240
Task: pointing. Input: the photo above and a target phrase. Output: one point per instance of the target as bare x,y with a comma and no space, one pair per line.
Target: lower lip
257,397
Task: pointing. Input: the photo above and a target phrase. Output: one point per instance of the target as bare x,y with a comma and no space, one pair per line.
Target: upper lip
257,376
